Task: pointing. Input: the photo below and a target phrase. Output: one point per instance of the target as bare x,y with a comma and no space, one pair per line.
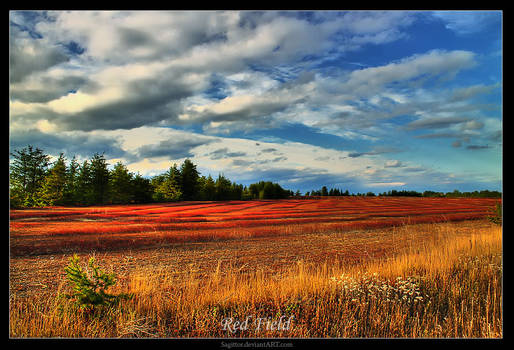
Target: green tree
52,190
167,187
222,188
209,189
120,184
246,195
26,175
189,180
254,190
84,194
99,178
236,191
70,187
89,287
142,189
267,192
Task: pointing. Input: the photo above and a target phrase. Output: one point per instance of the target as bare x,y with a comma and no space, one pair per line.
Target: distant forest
404,193
34,182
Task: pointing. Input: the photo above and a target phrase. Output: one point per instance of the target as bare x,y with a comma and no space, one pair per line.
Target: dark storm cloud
477,147
304,179
435,123
172,149
256,162
53,89
40,58
148,101
224,153
260,109
376,151
71,143
241,162
438,135
466,93
131,38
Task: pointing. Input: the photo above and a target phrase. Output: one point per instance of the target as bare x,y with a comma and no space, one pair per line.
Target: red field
67,229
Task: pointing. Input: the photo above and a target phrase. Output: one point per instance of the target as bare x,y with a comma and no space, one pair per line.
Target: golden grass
457,271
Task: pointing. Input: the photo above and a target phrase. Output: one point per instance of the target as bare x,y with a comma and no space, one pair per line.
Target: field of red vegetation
71,229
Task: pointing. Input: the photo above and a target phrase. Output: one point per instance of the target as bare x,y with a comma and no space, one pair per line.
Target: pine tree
120,184
189,180
168,186
70,187
209,189
84,194
268,191
52,190
141,189
222,188
26,175
99,179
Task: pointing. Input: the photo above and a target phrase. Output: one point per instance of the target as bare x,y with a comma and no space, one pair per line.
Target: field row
47,230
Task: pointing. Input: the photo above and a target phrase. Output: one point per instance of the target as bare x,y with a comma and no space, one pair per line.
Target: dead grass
187,290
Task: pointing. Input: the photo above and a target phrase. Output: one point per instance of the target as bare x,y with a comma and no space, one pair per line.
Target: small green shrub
89,288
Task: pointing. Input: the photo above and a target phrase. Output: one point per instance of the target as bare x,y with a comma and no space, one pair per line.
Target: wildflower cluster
368,286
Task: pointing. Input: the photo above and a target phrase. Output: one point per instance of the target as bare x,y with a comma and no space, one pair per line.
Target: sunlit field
301,268
68,229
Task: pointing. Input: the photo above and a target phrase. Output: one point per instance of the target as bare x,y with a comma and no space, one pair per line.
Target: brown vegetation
417,280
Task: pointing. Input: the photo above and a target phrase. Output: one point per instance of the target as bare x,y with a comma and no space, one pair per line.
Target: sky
357,100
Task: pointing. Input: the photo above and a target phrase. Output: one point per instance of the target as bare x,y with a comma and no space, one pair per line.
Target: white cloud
434,63
393,164
467,22
386,184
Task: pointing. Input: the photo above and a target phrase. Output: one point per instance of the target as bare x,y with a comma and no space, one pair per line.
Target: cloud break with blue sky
357,100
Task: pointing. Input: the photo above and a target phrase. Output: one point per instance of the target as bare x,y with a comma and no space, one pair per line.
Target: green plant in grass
89,288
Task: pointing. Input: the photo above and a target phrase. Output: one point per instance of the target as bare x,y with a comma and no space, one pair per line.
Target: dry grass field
343,268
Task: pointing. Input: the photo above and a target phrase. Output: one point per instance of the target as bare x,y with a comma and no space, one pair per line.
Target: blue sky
360,100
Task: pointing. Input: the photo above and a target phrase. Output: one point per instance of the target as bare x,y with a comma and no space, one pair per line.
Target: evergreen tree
246,195
99,179
168,186
26,175
254,190
52,190
85,190
142,190
236,191
222,186
70,187
209,189
189,180
120,184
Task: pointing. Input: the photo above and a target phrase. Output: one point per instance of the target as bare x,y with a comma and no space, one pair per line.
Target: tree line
35,181
325,192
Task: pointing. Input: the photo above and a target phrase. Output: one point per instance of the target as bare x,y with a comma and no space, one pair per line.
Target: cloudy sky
364,101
